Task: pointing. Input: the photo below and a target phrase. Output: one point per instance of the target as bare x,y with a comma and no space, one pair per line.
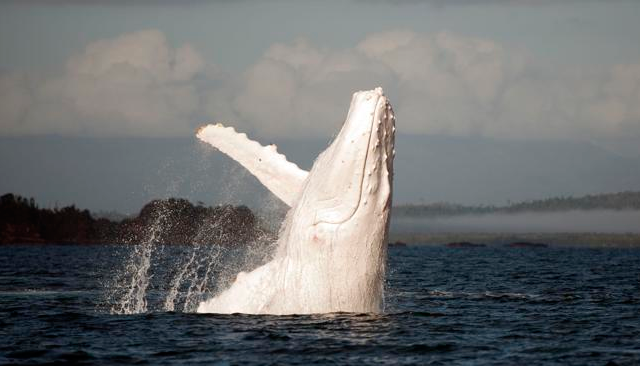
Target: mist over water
596,221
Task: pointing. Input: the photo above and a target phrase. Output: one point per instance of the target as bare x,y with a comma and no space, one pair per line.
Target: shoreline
572,239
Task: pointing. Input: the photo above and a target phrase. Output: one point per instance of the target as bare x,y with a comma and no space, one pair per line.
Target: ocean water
444,306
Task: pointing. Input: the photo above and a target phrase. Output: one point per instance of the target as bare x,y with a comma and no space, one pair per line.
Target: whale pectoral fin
272,169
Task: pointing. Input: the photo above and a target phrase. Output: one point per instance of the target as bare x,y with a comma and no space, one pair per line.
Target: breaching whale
332,246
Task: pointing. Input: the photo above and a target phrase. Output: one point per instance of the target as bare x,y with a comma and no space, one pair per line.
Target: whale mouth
350,160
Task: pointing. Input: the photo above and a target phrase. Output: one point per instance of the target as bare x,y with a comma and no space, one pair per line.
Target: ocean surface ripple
453,306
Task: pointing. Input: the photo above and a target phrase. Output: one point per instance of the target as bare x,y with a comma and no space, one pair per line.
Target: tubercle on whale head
380,159
355,170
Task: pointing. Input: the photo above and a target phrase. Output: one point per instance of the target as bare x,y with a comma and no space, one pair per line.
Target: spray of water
178,278
135,278
195,272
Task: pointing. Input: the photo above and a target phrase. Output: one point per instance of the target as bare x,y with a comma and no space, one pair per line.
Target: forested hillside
610,201
168,221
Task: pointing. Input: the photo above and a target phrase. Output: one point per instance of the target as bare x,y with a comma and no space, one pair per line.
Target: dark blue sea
444,306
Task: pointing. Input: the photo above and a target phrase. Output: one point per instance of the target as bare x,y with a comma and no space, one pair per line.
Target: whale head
355,172
336,233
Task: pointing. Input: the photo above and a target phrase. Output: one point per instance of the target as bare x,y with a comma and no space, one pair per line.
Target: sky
472,70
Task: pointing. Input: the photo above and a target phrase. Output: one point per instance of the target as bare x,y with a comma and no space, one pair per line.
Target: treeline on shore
166,221
629,200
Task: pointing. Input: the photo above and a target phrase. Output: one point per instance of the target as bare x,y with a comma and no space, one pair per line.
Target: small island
526,244
465,244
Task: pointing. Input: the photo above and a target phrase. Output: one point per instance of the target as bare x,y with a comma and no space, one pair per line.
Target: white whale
332,246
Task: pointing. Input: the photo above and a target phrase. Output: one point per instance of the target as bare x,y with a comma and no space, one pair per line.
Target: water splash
136,273
195,273
169,302
155,277
177,278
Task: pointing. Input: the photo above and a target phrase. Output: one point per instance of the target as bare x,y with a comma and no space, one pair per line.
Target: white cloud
439,83
135,84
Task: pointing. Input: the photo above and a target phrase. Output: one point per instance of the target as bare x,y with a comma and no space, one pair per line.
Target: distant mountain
481,171
607,201
122,174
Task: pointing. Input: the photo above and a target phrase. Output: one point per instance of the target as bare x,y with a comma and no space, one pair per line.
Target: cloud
135,84
297,90
439,83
